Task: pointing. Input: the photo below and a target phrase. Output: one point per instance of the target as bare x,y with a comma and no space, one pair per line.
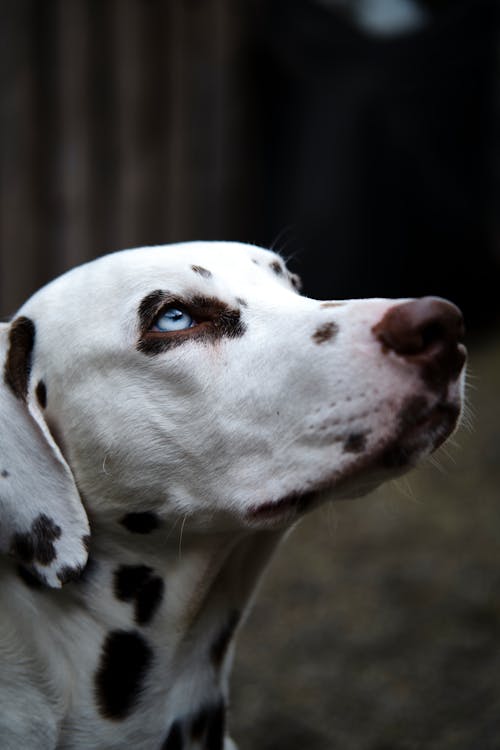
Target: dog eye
173,319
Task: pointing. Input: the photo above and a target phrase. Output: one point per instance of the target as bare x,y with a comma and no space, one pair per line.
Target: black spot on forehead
139,584
221,643
140,523
37,545
41,394
325,332
202,271
276,266
355,442
18,362
125,660
296,281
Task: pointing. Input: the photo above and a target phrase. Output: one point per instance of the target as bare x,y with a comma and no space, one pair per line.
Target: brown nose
426,331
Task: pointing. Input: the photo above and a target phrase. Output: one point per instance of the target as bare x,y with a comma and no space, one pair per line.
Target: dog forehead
125,275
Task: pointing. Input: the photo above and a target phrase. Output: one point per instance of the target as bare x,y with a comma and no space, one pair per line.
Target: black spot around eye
37,545
125,660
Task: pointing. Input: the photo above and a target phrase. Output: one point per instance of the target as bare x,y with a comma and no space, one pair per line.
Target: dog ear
42,520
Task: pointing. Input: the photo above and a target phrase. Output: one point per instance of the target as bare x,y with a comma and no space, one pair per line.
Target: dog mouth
420,430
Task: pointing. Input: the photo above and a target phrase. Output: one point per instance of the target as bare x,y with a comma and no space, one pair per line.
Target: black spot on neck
125,660
28,578
220,645
208,727
140,523
174,740
41,394
18,362
139,584
37,545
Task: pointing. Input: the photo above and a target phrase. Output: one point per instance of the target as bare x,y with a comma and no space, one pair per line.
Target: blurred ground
378,624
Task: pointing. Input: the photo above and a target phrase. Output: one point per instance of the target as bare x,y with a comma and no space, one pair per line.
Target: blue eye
173,319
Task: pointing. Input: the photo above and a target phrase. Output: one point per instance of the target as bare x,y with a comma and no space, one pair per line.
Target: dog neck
177,600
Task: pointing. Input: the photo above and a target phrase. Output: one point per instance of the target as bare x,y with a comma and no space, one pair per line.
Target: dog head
193,380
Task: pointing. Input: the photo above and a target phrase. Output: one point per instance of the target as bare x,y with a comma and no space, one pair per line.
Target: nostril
418,326
432,332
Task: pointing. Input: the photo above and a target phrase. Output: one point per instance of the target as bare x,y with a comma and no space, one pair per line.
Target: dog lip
398,454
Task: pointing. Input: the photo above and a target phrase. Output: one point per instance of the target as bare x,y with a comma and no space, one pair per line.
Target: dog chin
421,430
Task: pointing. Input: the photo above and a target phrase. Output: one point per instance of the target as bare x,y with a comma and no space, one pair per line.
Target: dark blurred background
361,139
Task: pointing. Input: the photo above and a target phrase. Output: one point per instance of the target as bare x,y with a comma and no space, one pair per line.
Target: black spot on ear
28,578
18,362
174,740
41,394
355,443
125,660
140,523
4,473
38,544
202,271
66,573
138,584
208,727
88,571
220,645
325,332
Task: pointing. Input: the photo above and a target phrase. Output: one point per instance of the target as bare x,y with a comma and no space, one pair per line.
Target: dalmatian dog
168,413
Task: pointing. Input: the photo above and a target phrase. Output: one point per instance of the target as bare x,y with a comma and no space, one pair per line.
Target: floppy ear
42,520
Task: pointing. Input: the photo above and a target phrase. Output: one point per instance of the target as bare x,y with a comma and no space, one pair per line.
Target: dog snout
429,332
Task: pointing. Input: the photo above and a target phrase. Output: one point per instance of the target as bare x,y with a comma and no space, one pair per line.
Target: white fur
204,434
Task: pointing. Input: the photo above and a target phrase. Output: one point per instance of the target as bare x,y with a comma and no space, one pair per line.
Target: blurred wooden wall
123,122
